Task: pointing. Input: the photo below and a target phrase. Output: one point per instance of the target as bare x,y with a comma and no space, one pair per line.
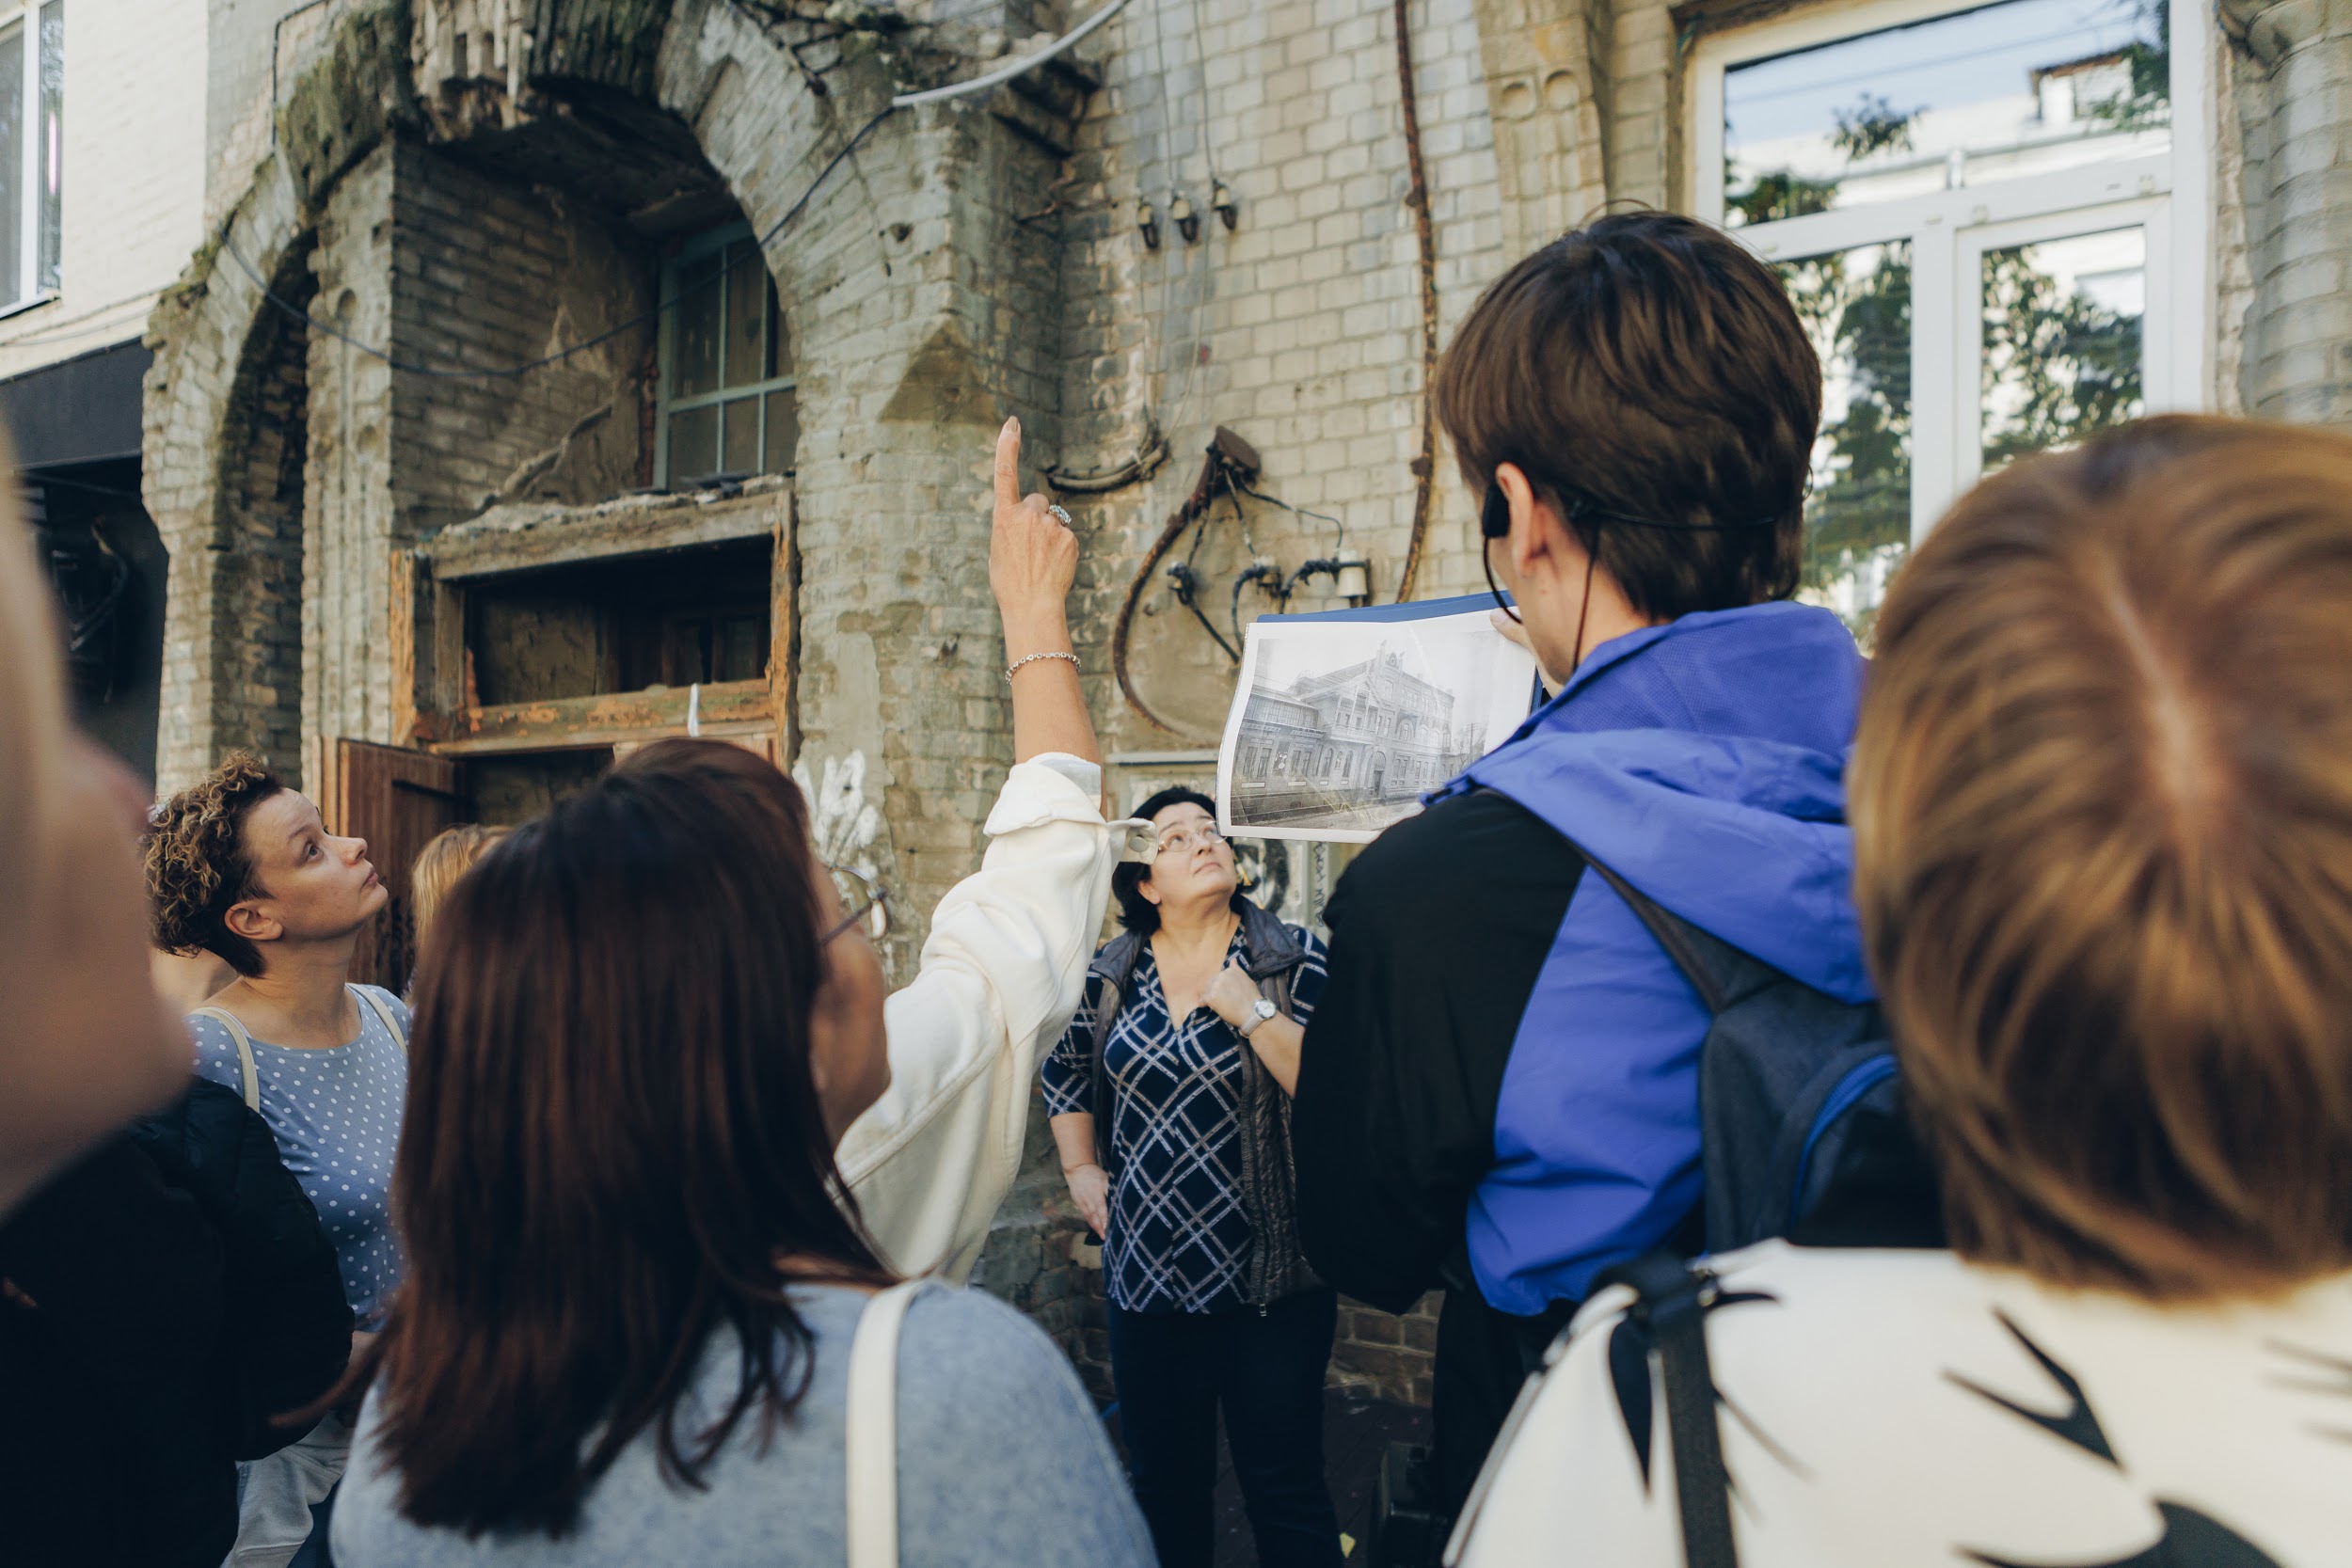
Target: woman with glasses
652,1049
1171,1103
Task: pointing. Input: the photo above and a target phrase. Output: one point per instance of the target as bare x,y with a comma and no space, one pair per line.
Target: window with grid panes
726,407
1988,225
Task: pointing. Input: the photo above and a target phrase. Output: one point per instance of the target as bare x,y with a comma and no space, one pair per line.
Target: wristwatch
1260,1011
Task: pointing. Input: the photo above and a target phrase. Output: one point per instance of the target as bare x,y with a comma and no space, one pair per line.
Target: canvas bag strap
392,1025
246,1070
870,1428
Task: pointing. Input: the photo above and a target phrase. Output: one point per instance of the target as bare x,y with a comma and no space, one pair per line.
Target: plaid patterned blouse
1179,1238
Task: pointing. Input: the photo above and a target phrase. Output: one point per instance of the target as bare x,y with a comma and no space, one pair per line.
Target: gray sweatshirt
1001,1461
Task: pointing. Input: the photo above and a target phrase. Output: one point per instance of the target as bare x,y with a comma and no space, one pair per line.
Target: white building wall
133,199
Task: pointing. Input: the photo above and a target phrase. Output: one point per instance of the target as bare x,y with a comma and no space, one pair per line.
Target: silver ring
1060,513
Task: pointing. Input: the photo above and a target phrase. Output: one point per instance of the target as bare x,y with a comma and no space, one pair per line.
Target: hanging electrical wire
1223,447
1424,466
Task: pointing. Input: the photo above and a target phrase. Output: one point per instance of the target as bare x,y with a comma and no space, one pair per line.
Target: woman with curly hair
241,866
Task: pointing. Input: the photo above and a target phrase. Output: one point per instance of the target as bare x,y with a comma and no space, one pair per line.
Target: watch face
1265,1008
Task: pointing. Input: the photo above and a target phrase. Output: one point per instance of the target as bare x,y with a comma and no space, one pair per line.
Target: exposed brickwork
1394,1357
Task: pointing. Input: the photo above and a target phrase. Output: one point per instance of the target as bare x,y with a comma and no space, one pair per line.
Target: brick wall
256,576
493,272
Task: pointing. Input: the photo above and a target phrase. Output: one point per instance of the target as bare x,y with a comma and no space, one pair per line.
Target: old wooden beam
722,708
527,538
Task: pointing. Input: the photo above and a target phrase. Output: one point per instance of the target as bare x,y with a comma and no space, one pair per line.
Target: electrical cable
1426,465
1338,529
1006,74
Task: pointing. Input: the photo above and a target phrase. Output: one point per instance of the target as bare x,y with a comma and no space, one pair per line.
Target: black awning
84,409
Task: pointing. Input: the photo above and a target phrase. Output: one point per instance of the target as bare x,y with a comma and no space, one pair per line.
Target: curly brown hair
198,866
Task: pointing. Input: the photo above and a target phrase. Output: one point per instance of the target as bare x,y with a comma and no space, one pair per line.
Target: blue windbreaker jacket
1703,761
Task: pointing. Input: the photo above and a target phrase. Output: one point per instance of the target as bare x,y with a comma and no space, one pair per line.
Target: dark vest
1269,1178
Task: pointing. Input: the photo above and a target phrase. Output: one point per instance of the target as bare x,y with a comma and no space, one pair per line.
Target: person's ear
249,920
1150,893
1537,532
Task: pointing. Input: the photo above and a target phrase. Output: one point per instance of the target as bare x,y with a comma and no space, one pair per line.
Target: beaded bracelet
1032,658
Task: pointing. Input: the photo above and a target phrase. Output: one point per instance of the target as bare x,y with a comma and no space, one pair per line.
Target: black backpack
1788,1078
1801,1126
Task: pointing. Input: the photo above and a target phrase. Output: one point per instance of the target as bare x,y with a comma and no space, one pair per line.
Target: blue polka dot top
335,1114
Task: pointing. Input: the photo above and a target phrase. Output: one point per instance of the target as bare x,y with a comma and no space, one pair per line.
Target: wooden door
396,799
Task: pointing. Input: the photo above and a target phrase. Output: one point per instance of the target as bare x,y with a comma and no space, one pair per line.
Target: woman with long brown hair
637,1314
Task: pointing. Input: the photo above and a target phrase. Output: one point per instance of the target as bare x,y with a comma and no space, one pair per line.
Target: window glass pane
1997,93
52,138
12,162
747,292
739,448
2062,340
1856,308
694,339
694,444
779,338
783,432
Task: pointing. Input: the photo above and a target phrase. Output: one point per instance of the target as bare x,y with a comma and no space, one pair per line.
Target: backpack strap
1719,973
870,1428
1673,1301
246,1070
392,1025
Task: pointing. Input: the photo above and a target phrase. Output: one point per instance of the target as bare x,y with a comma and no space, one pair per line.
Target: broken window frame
667,401
443,716
34,178
2169,193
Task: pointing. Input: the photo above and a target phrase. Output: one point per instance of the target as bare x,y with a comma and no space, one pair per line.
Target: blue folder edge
1417,610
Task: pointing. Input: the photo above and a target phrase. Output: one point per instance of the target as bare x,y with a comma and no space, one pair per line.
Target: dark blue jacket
1514,1055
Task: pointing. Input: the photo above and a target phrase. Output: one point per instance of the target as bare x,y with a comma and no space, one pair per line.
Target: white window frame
665,405
31,166
2169,193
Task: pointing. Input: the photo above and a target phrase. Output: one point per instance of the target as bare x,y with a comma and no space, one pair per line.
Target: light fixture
1221,203
1354,577
1147,222
1187,221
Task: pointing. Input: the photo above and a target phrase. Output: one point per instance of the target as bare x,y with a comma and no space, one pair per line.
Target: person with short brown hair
1500,1092
2101,801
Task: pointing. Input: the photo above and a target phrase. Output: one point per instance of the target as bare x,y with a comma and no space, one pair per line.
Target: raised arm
1004,964
1032,557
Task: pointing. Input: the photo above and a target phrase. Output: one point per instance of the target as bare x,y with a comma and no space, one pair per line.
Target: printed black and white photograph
1342,723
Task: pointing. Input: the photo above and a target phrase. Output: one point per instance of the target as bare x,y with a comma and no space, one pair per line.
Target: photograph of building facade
1347,747
464,392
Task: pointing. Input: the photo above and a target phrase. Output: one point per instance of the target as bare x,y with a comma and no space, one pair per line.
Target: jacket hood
1704,762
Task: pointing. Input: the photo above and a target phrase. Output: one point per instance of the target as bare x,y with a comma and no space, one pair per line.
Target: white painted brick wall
134,176
1301,329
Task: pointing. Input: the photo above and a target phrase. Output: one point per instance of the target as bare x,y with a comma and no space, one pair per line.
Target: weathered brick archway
432,146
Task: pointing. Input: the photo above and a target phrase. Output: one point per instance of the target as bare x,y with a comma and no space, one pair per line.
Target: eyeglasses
1184,840
861,898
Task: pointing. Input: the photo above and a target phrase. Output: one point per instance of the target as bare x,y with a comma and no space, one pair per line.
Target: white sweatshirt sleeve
1001,975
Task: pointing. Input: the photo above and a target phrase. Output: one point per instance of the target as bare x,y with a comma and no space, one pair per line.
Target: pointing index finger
1008,464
